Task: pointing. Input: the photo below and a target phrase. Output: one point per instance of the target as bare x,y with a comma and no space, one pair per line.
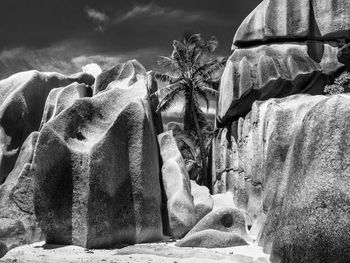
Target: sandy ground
148,253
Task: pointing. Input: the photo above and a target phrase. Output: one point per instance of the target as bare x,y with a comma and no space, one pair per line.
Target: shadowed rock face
278,20
295,184
18,224
22,101
100,186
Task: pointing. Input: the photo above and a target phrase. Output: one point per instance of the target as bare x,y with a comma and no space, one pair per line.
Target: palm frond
169,99
212,44
180,55
169,64
165,90
164,77
204,96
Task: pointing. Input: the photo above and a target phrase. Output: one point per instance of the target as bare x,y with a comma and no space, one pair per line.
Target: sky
64,35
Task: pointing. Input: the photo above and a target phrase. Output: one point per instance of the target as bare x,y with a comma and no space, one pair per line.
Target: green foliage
341,85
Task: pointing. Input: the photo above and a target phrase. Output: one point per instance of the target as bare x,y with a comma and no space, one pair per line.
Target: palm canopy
189,74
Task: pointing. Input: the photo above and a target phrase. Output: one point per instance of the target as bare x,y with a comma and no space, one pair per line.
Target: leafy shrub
341,85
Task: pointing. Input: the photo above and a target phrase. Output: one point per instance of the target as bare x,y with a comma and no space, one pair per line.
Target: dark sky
63,35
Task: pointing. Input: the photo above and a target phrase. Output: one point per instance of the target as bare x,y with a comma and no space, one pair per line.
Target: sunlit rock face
181,210
278,20
283,48
100,187
128,73
295,185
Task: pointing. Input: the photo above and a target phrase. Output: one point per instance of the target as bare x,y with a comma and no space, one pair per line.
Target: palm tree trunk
204,179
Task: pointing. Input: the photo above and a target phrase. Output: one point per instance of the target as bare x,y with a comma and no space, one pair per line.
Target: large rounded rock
203,202
22,101
230,220
270,71
177,187
295,150
277,20
309,216
100,186
212,239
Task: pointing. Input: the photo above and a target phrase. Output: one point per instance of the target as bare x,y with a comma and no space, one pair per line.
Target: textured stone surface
18,224
277,20
344,55
100,186
22,101
295,158
61,98
275,70
212,239
226,219
203,202
177,187
126,73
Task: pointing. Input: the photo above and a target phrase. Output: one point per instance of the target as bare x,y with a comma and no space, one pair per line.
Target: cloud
69,57
92,69
154,10
96,15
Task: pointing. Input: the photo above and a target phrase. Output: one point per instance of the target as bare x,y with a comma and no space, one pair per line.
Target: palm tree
192,75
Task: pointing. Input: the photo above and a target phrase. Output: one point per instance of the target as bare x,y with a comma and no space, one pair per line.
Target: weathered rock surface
203,202
61,98
22,101
344,55
224,161
272,71
295,158
127,73
224,219
177,187
100,186
212,239
278,20
18,224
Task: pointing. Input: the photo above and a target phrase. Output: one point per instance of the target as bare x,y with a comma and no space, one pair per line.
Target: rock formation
282,48
294,155
211,238
288,20
223,227
177,187
100,186
22,101
203,202
18,224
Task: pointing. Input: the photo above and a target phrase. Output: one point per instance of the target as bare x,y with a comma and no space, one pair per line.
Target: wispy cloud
154,10
96,15
69,57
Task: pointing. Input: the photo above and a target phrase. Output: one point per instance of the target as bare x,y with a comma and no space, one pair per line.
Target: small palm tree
192,75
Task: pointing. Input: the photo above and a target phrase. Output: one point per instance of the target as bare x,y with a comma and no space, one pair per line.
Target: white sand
154,252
